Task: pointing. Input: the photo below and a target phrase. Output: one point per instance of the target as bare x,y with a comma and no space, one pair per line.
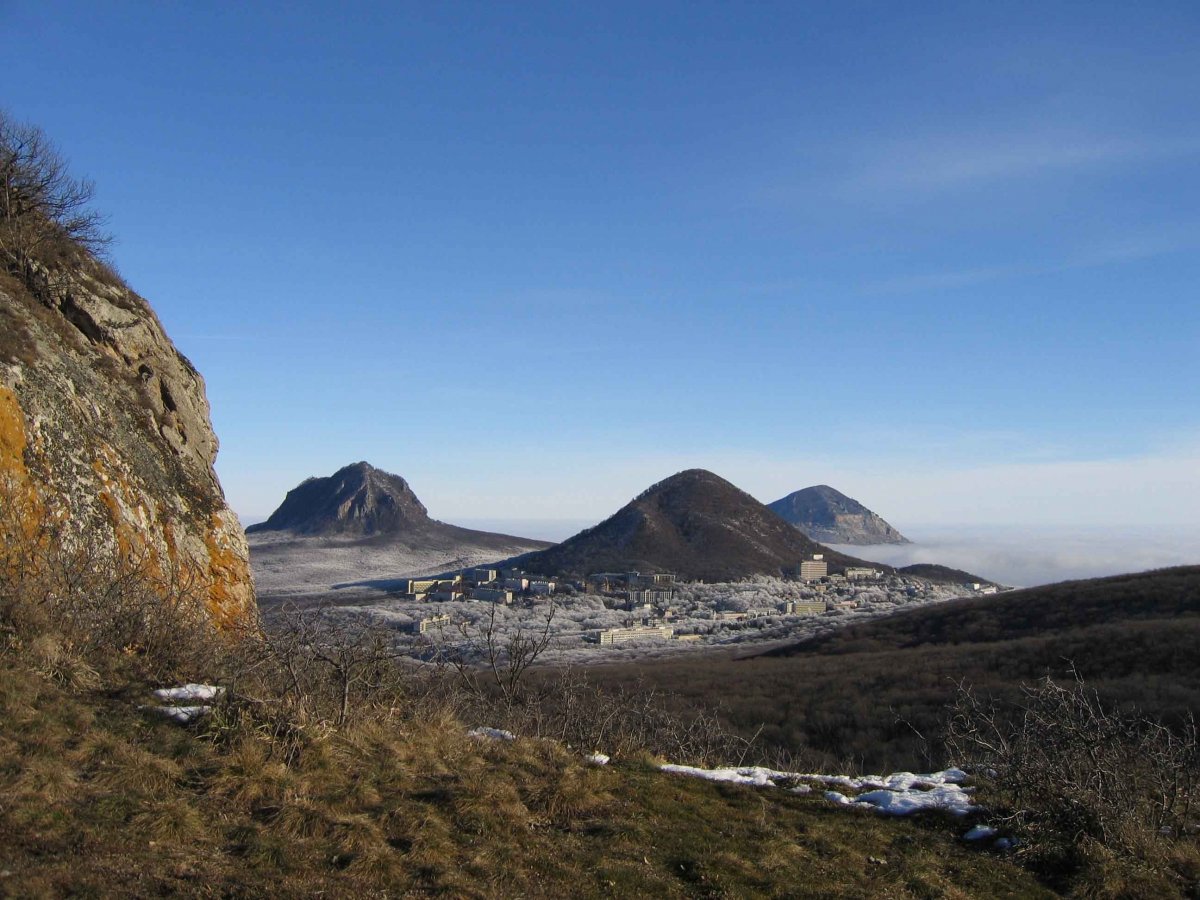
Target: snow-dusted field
702,612
315,569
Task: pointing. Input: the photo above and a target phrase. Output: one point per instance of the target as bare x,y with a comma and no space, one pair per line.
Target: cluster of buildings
634,588
648,596
634,633
430,623
481,585
815,568
815,571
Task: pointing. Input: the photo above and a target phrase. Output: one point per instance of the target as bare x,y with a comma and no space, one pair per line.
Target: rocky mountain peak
826,514
356,500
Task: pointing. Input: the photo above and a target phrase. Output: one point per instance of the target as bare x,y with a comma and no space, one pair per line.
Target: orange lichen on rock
134,539
172,545
84,463
18,486
12,436
142,539
230,593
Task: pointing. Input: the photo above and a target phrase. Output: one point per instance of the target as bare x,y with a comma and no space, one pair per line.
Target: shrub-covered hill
99,800
941,574
876,694
1052,610
694,524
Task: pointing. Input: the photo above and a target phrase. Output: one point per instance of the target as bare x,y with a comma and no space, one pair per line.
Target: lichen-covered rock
105,426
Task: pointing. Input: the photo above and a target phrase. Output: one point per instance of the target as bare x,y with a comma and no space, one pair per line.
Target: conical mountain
827,515
356,500
694,524
363,530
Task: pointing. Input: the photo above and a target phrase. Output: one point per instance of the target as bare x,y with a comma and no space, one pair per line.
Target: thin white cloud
948,280
954,161
1125,249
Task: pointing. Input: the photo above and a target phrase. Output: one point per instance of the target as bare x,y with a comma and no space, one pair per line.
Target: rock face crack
84,323
167,400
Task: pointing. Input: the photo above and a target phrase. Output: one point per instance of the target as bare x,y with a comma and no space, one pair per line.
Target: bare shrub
491,660
88,611
319,670
1069,775
44,211
636,719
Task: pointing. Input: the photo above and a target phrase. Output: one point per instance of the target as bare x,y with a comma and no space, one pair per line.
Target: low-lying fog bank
1028,556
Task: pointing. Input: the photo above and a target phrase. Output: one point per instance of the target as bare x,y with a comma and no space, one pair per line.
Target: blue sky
534,257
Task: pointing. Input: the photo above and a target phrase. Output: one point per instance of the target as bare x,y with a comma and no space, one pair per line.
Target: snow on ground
296,567
184,715
898,794
191,692
980,833
494,734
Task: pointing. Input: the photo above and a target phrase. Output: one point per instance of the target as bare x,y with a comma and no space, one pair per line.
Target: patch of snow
980,833
184,715
192,692
495,734
903,801
755,775
1005,843
898,794
598,759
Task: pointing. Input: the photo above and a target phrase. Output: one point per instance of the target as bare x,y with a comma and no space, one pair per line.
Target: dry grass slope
101,801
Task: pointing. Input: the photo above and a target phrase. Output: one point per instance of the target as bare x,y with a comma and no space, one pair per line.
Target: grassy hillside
874,695
328,768
1165,594
100,800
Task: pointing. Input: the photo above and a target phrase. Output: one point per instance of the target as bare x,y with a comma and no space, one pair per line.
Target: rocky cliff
104,427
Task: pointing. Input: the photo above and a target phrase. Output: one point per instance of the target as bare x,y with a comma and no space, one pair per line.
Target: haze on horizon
534,259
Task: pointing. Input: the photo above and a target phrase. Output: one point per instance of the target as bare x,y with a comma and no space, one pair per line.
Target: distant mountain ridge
827,515
694,524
